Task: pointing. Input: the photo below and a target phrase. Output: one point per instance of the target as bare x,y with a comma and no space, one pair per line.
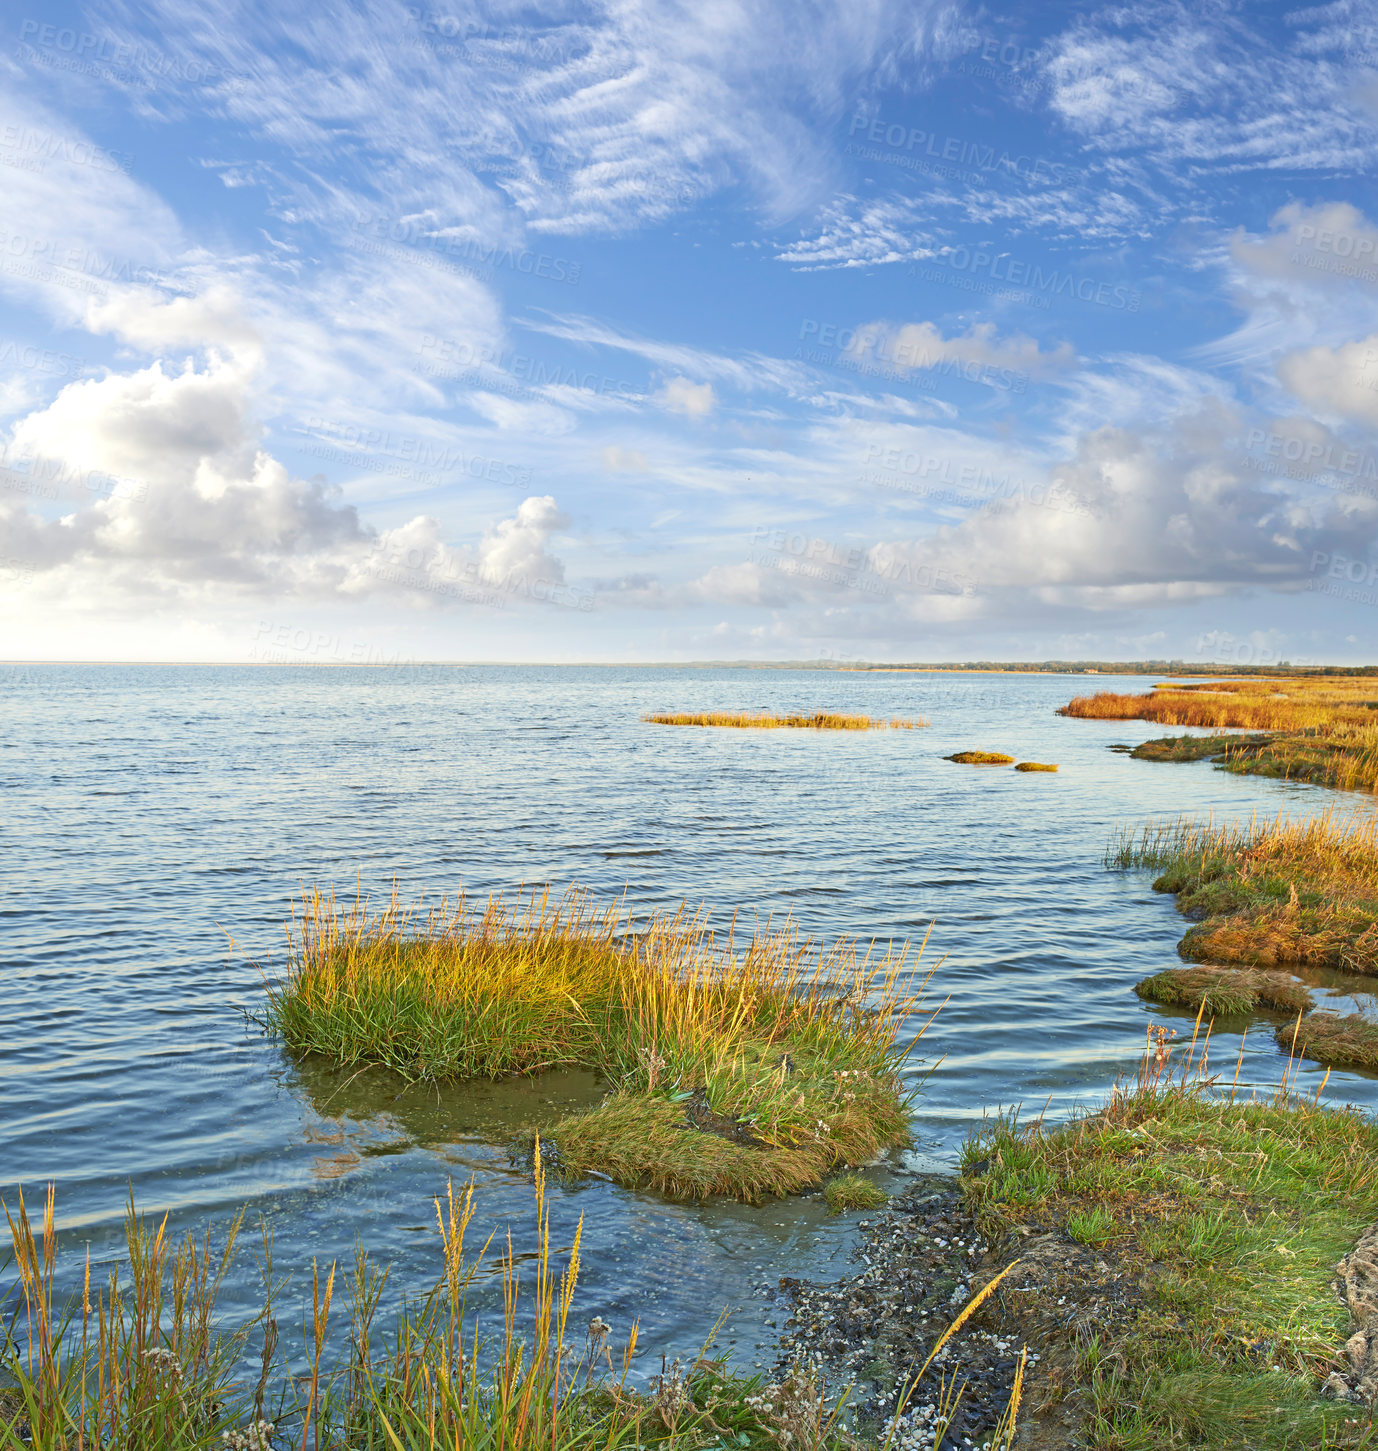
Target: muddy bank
919,1263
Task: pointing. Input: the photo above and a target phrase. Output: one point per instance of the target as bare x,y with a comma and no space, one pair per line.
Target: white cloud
978,352
1340,381
694,400
515,549
617,459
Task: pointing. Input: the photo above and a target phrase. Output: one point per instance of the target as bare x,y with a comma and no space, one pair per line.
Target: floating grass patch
1302,892
1348,1041
740,1067
844,1193
1225,992
150,1360
1320,729
1035,766
820,721
1177,1255
980,758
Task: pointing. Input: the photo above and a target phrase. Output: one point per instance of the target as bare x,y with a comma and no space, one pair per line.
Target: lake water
157,819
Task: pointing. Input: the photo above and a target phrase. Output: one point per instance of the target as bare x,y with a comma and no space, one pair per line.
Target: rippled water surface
156,821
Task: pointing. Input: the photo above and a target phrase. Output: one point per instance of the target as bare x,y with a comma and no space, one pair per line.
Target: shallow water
156,821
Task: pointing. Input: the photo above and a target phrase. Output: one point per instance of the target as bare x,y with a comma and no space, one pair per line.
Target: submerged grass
1303,892
1223,1222
819,721
981,758
1225,992
1315,729
148,1364
1035,766
745,1068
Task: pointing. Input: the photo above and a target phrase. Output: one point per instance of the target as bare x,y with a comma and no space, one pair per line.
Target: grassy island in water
740,1067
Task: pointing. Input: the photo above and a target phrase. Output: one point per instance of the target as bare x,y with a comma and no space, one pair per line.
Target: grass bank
1268,894
762,721
1177,1256
741,1067
148,1360
1320,729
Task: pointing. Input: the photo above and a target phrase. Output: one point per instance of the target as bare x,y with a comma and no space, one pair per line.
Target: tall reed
152,1368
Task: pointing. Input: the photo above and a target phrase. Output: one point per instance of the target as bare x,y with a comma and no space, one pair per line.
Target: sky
856,331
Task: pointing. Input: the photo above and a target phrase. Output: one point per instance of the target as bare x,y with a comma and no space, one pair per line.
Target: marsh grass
1225,992
741,1067
1035,766
846,1192
1225,1219
980,758
1269,893
820,721
150,1365
1320,729
1342,1041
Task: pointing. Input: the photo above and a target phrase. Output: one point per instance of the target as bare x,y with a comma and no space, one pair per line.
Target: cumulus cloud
1323,245
694,400
515,549
1339,381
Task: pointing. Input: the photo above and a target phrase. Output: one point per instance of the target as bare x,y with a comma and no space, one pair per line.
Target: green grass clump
741,1068
980,758
819,721
1225,992
147,1364
1303,892
1225,1221
845,1192
1035,766
1348,1041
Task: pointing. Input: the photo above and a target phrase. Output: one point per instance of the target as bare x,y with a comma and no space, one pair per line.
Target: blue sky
861,331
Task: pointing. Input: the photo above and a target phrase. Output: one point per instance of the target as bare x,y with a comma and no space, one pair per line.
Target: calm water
156,821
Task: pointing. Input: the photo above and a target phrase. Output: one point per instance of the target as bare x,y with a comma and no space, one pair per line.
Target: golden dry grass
1273,893
744,1067
819,721
1320,729
148,1363
981,758
1035,766
1222,991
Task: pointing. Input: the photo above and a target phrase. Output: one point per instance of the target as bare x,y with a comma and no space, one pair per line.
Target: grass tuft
1349,1041
1035,766
746,1068
820,721
980,758
1225,992
846,1192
